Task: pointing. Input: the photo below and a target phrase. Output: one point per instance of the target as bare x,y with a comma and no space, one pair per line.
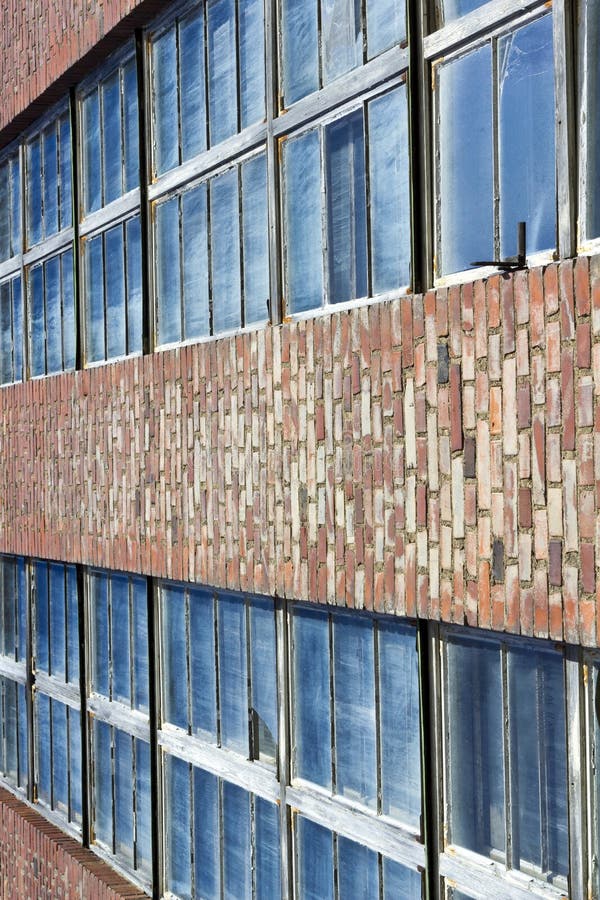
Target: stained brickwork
38,861
436,456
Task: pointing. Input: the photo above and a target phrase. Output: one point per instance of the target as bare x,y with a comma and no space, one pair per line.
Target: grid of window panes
57,700
110,213
14,767
119,727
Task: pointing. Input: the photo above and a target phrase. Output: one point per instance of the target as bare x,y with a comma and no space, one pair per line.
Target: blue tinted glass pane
168,272
10,724
358,871
102,761
66,196
123,795
178,840
5,248
386,25
207,842
399,724
255,240
72,624
354,693
341,37
50,181
17,307
346,209
133,238
60,760
140,643
94,277
22,609
453,9
466,157
164,71
312,697
6,339
22,736
68,314
202,664
192,86
111,148
536,701
175,675
302,222
43,744
268,851
195,263
121,632
7,623
99,616
34,192
42,630
233,690
53,316
225,223
264,681
237,868
143,808
527,164
398,881
37,360
92,171
300,49
252,61
58,623
131,149
592,140
116,328
476,769
315,860
389,191
222,80
75,765
15,194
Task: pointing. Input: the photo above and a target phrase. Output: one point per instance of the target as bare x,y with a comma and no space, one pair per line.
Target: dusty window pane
222,88
202,664
5,248
174,676
386,25
302,222
123,795
99,616
164,84
466,156
207,842
68,311
60,765
53,315
341,37
449,10
527,164
226,267
111,137
50,181
131,149
358,871
133,238
34,192
268,855
168,272
94,276
44,743
398,881
75,765
58,623
252,66
143,811
300,49
178,838
192,87
121,630
237,869
116,327
255,229
6,336
92,170
195,263
311,713
15,194
42,630
233,676
315,860
140,644
37,361
264,681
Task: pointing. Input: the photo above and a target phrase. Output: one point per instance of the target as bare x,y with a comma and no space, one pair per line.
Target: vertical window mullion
566,125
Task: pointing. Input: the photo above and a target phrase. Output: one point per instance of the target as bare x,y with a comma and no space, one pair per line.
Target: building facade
300,450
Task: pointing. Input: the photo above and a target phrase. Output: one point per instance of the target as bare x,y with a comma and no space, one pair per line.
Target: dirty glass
252,67
195,263
6,338
133,240
233,676
94,307
52,285
15,195
92,166
139,601
10,208
398,881
178,832
123,795
592,136
300,49
37,361
50,180
389,186
538,760
386,25
68,311
341,37
58,623
207,841
102,759
264,681
311,707
175,677
358,870
75,765
222,69
42,617
120,634
449,10
17,330
191,84
111,137
226,267
526,111
202,664
268,854
60,762
164,87
100,645
466,157
354,705
314,850
475,746
255,231
346,208
116,326
131,139
143,810
44,744
168,272
302,222
237,868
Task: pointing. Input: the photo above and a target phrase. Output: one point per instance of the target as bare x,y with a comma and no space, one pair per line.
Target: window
110,227
492,100
589,100
118,708
14,767
11,330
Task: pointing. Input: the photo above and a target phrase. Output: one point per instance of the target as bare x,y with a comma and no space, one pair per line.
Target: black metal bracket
511,263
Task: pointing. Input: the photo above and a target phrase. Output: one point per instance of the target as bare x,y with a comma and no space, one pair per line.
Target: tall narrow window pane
131,147
300,48
341,37
202,664
133,242
592,49
268,853
68,311
121,630
178,838
42,627
116,328
225,224
10,725
75,764
346,209
315,860
44,744
233,691
256,240
92,170
527,110
140,644
23,602
5,248
66,195
50,200
168,272
399,724
252,61
207,834
264,681
143,810
58,624
476,756
15,194
164,84
237,870
175,677
103,803
72,624
94,276
386,25
23,757
302,222
6,337
123,795
358,871
195,263
60,762
312,738
34,192
222,80
53,316
100,651
354,696
389,181
192,86
37,361
466,157
17,310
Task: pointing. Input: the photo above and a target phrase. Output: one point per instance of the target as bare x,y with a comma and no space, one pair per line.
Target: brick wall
435,456
39,862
